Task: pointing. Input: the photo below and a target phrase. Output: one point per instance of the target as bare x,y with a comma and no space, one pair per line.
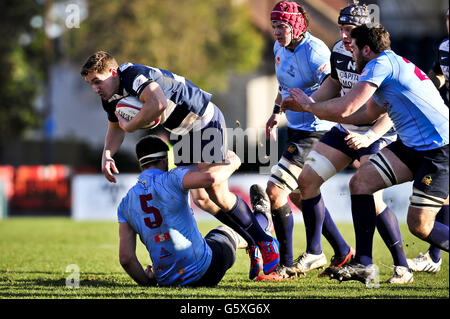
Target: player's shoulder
386,58
315,42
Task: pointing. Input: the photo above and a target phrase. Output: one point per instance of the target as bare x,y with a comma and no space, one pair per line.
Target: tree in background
21,60
202,40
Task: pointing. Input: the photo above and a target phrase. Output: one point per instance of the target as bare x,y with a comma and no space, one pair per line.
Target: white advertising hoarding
94,198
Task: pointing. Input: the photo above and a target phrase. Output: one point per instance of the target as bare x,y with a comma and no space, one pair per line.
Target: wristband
276,109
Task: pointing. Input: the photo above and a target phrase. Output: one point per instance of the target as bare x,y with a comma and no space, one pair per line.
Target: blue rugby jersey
157,208
305,68
186,102
413,103
343,69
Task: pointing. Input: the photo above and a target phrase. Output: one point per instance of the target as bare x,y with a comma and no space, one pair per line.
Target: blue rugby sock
387,225
364,222
334,237
439,236
262,220
244,217
283,223
226,219
442,217
313,215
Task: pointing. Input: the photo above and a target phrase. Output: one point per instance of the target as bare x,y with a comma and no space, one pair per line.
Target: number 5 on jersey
155,219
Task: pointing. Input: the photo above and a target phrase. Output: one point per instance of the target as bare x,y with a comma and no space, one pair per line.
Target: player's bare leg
235,213
366,181
322,163
431,261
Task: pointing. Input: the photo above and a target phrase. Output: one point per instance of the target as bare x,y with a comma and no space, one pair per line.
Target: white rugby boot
307,262
402,275
424,263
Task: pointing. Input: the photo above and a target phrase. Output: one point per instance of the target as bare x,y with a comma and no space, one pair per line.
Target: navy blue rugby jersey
186,102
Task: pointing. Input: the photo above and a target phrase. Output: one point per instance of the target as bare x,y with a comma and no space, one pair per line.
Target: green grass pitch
35,252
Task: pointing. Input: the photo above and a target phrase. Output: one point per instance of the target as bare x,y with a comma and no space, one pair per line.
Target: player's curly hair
376,37
98,62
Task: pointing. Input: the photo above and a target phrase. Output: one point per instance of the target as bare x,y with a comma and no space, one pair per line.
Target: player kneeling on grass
157,208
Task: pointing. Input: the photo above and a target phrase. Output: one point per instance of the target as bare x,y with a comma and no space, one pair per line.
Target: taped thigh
384,168
321,165
285,175
424,201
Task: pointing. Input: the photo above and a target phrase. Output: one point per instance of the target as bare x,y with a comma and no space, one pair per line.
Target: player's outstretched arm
330,88
113,141
337,109
128,259
211,174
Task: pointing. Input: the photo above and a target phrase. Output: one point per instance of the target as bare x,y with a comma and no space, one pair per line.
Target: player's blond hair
99,62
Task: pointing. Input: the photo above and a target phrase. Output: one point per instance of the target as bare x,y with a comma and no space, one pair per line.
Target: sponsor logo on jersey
162,237
164,253
351,65
291,71
138,81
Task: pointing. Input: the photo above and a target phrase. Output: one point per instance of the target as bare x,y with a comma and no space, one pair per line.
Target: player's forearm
335,110
329,89
136,272
113,140
215,174
382,125
150,111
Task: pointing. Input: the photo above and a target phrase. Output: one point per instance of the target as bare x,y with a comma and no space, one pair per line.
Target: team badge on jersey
427,180
277,61
138,81
291,149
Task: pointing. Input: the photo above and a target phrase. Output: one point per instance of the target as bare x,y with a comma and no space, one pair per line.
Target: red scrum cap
291,13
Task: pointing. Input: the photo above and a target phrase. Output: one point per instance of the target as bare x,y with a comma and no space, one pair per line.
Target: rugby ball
129,106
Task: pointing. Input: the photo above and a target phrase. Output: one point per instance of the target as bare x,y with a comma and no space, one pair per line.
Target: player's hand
358,141
233,159
108,168
298,101
271,127
124,124
151,275
149,272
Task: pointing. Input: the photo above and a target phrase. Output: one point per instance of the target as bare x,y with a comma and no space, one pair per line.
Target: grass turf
35,252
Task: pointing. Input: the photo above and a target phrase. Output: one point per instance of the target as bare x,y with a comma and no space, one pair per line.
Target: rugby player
301,60
420,153
188,111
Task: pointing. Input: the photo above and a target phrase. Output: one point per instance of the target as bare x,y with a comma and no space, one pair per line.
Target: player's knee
296,198
419,225
272,192
358,184
276,195
309,181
